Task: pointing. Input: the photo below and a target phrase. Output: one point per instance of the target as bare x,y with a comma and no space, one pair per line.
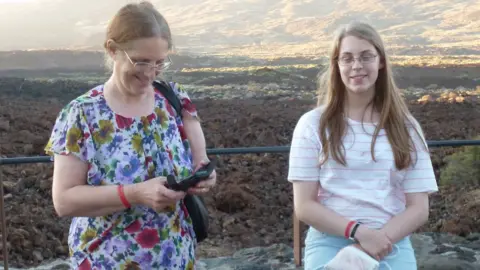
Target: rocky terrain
252,203
434,251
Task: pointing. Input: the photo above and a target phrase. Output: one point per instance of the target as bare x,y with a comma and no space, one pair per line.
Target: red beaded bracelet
347,229
121,194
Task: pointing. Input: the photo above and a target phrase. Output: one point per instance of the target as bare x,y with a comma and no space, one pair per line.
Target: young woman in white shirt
359,162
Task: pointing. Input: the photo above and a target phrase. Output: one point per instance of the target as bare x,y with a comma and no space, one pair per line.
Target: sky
41,24
16,1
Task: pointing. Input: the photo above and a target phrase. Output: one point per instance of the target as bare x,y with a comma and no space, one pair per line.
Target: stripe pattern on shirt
365,190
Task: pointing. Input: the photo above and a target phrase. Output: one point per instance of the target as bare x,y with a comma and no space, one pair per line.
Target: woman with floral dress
113,148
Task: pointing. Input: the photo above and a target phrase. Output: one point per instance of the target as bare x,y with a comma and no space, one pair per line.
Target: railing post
4,225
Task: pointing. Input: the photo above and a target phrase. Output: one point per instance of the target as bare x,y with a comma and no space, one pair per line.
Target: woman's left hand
205,185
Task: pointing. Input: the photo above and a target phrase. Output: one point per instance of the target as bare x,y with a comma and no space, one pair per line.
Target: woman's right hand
155,194
375,242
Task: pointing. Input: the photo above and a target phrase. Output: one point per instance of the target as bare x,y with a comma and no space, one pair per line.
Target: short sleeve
420,177
71,134
304,161
187,105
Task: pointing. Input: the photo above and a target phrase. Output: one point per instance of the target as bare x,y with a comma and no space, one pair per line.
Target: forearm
321,218
92,201
195,136
405,223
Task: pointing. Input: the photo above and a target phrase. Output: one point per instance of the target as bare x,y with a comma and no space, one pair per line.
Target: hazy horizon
438,26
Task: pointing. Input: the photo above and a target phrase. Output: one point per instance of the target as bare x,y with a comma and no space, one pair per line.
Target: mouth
358,77
142,80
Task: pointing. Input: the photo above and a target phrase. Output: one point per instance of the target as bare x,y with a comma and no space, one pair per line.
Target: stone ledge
433,251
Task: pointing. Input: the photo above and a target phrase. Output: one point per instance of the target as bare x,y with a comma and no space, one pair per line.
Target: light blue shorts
320,248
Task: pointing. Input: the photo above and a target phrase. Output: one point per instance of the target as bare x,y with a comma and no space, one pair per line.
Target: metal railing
215,151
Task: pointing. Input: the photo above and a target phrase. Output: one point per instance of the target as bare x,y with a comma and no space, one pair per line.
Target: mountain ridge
252,26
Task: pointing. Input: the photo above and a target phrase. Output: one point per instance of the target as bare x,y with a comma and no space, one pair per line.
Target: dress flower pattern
126,150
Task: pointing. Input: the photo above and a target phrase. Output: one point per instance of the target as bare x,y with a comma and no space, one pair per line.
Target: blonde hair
136,21
394,113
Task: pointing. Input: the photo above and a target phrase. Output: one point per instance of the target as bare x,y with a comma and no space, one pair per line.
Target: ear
381,64
111,48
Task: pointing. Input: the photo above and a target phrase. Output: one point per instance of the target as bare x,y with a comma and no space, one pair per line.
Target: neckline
139,117
350,120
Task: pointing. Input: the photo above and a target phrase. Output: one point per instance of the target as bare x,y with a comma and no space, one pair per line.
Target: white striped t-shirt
366,191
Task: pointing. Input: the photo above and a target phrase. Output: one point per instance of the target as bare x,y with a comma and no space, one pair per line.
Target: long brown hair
394,113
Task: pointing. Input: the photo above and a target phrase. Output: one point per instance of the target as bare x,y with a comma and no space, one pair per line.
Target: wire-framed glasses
145,66
349,60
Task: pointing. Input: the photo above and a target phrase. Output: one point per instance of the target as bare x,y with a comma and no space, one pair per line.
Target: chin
139,87
359,89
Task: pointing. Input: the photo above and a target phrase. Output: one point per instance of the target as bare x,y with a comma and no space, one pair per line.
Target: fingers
206,183
382,255
164,207
160,179
174,195
198,190
387,249
165,192
202,187
159,207
213,175
373,255
377,250
170,194
201,164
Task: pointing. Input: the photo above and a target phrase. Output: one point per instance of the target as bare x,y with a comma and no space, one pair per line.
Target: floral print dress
121,150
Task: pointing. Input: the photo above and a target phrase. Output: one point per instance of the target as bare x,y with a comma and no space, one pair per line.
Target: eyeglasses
349,60
145,66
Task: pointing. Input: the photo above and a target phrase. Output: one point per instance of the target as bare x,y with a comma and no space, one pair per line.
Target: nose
357,64
150,72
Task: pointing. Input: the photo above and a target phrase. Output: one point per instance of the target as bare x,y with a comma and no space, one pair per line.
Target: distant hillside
94,60
252,27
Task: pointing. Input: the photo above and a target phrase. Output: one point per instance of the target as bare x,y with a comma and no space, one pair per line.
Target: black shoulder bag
195,205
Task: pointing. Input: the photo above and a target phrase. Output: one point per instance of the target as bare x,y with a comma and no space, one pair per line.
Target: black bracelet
354,229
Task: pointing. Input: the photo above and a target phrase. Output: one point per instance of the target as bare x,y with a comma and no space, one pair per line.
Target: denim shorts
320,248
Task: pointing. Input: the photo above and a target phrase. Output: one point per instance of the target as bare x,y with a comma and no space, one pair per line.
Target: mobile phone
184,184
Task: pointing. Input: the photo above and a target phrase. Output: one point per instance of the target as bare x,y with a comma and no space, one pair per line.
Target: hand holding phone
184,184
